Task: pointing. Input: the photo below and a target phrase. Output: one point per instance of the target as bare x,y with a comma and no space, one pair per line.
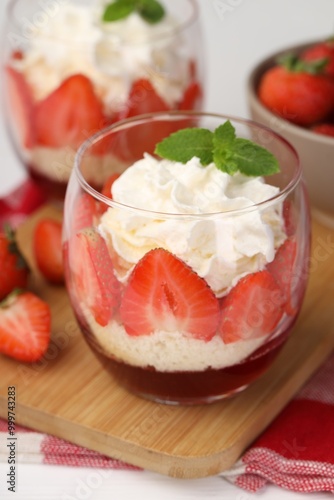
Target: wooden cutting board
69,395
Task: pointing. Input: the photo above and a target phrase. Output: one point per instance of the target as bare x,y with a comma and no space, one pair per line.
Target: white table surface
238,33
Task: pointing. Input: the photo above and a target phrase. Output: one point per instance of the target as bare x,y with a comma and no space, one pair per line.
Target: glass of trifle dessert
73,67
187,271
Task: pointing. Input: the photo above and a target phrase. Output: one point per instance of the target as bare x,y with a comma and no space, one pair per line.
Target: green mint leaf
120,9
183,145
252,159
150,10
224,135
229,153
225,161
223,138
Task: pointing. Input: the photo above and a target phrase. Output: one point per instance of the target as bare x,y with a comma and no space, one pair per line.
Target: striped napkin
296,452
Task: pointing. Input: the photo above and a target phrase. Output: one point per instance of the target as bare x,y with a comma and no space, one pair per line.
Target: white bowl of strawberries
292,92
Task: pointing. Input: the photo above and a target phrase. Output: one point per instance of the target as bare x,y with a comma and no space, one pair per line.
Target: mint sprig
229,153
150,10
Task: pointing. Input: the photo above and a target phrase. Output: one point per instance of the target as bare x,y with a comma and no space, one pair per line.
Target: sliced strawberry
84,212
70,114
163,293
281,269
289,216
192,97
21,102
106,191
93,276
25,324
143,98
252,309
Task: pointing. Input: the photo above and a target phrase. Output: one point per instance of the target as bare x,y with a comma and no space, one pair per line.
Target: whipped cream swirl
220,247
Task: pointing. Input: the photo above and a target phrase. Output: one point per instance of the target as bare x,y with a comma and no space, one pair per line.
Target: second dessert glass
186,281
73,67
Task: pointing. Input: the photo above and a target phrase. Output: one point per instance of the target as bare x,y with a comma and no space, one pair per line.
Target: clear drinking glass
185,305
68,73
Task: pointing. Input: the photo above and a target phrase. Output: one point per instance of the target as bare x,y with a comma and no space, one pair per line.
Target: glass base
188,388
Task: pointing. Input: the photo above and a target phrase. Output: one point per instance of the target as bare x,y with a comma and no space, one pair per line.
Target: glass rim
167,33
181,115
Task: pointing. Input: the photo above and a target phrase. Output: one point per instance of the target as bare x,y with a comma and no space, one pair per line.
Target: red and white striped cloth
296,452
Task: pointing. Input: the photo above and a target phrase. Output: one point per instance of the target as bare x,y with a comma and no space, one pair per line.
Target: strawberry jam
190,387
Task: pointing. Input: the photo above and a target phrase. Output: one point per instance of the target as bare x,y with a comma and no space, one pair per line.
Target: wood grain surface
69,395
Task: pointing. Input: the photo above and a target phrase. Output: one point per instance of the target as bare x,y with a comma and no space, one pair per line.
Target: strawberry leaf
293,64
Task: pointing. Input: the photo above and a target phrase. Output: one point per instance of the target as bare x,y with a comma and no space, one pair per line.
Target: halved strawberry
93,275
70,114
281,269
21,102
252,308
25,325
164,293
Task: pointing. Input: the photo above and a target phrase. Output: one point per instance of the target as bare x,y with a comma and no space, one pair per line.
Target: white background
237,34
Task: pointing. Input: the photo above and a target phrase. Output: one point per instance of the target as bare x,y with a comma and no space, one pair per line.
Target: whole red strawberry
48,250
14,270
298,91
322,51
324,129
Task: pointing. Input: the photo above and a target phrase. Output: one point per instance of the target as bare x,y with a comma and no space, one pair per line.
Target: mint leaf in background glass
150,10
183,145
120,9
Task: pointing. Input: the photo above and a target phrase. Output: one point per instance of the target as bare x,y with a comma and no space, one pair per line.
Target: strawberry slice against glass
106,191
164,293
282,269
25,325
21,103
95,284
252,309
84,212
69,115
